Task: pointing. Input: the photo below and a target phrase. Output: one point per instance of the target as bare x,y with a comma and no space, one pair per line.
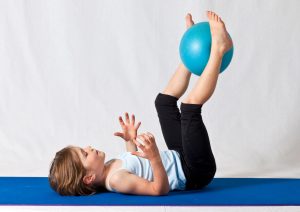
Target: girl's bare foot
220,38
189,20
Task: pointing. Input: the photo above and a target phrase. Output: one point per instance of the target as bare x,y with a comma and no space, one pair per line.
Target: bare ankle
217,53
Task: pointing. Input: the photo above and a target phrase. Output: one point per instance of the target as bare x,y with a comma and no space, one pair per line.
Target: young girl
188,164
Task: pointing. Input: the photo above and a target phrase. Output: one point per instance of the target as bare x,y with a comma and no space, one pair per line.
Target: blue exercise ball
195,47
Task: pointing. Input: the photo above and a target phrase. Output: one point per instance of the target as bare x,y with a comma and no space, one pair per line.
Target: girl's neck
108,166
101,179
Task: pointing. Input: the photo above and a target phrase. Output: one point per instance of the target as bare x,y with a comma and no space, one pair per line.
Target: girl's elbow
160,190
163,192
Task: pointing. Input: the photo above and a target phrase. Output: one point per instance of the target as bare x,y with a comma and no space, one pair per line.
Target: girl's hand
148,147
129,128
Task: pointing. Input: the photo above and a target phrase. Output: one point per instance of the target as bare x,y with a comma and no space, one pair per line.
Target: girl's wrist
130,140
156,160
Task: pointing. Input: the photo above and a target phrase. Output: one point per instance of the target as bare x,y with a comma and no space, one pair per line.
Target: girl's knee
192,100
164,99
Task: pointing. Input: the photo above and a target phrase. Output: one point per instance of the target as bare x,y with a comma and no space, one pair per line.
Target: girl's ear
89,179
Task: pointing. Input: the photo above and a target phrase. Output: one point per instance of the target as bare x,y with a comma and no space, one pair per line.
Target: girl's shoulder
116,169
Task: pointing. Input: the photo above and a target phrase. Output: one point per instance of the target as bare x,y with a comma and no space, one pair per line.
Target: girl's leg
221,43
180,79
166,104
179,82
169,119
198,155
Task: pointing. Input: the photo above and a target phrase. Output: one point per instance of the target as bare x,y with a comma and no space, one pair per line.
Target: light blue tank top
142,168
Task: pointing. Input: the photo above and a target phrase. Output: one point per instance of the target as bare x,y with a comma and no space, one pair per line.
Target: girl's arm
125,182
160,182
130,146
130,183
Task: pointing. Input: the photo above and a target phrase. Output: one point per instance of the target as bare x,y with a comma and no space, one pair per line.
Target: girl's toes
189,20
215,17
208,14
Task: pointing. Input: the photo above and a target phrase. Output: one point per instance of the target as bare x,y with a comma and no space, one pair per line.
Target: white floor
148,209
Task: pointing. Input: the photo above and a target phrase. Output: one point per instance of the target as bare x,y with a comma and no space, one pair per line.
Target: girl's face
92,159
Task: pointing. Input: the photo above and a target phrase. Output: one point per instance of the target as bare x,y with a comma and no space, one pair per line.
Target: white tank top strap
108,179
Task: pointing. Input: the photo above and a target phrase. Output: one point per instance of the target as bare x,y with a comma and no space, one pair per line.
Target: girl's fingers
141,140
132,119
119,134
151,138
145,139
127,118
138,125
121,122
138,144
150,135
146,136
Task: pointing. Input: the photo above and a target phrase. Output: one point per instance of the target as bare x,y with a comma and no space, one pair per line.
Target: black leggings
186,133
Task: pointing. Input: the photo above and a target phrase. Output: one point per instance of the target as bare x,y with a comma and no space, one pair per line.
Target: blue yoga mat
221,191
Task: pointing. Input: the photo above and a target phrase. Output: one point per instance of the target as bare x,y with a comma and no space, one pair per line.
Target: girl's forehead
79,152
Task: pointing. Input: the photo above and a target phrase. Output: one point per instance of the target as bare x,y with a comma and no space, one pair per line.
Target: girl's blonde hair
67,172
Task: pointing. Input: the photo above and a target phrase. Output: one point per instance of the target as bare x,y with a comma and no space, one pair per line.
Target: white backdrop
68,69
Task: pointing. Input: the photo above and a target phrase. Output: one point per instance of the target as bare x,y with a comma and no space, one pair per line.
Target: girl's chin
100,153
